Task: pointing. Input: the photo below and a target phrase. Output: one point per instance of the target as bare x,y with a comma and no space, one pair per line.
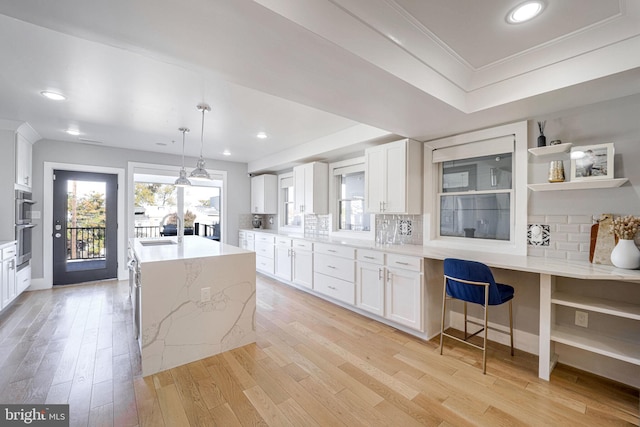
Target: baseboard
39,284
524,341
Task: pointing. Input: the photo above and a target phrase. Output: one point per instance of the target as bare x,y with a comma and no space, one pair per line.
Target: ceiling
320,77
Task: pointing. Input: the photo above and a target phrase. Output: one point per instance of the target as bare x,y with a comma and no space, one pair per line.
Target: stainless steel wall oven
24,226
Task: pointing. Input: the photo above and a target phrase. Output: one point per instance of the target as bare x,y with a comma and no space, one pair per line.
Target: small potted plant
626,253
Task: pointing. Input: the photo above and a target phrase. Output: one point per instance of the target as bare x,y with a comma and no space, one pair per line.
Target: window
351,215
475,197
478,181
287,205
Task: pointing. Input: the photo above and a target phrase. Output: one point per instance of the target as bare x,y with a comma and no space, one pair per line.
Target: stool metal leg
511,324
444,305
465,321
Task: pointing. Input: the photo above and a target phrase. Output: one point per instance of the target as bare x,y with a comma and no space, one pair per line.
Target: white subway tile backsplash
555,219
555,254
580,219
559,237
585,247
567,246
568,228
536,219
580,237
585,228
537,251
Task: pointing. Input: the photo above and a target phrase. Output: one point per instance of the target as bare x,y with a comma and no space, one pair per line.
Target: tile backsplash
317,225
399,229
569,236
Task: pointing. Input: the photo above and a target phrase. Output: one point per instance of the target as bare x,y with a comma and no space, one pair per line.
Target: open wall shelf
578,185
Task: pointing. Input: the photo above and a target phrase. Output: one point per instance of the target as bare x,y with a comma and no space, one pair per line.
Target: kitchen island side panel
179,326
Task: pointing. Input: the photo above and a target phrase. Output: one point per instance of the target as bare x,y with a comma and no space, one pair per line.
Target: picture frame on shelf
591,162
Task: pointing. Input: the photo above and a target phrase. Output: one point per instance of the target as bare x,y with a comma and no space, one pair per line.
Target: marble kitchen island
195,299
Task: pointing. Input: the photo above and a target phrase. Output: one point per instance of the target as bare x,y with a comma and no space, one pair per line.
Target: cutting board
605,241
594,236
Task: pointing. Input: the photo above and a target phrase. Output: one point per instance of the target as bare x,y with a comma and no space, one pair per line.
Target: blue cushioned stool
472,281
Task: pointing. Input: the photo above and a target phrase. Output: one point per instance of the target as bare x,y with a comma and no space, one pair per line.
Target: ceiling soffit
400,37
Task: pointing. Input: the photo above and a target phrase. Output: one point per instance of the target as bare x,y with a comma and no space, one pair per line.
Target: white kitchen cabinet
393,178
264,194
370,281
311,188
23,279
404,291
302,263
246,240
283,259
334,272
8,289
265,253
24,156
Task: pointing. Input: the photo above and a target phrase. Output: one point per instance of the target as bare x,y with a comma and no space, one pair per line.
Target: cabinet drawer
404,262
340,268
267,238
249,235
265,264
264,249
370,256
335,250
283,242
303,245
334,288
9,252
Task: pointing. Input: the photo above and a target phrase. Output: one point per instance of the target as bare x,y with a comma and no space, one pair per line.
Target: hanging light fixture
200,172
182,180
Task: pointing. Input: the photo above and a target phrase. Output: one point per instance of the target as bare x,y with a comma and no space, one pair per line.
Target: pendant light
200,172
182,180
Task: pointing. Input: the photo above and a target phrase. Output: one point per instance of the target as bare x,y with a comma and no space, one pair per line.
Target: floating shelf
551,149
578,185
599,305
597,343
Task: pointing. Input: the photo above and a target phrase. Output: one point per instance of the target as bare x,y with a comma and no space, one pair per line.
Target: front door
85,213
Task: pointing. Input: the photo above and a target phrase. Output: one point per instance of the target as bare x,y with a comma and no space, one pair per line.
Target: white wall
238,184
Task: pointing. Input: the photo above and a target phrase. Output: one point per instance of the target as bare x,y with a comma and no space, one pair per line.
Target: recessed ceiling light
226,153
73,132
261,135
53,96
525,12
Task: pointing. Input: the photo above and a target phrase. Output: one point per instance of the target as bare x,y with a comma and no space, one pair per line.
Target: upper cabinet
311,188
393,178
264,194
24,167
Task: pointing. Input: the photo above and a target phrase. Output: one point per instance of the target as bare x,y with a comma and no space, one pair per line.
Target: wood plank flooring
314,364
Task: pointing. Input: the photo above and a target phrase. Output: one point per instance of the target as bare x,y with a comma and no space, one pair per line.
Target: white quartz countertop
5,243
556,267
192,247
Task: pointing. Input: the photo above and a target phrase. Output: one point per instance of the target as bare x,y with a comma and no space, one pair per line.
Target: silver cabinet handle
332,287
389,275
379,274
402,263
369,257
332,251
331,266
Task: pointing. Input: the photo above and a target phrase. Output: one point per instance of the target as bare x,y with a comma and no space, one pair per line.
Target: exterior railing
147,231
85,243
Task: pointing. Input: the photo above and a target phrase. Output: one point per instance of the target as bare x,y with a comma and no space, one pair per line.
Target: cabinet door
257,196
404,294
283,262
396,178
299,187
375,177
303,268
370,288
23,161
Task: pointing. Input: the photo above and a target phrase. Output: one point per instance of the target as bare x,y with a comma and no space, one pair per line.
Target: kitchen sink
157,242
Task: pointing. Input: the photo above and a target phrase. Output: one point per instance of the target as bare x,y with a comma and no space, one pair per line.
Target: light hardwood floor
314,364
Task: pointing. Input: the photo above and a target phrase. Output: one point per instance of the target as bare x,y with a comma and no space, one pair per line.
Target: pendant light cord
202,132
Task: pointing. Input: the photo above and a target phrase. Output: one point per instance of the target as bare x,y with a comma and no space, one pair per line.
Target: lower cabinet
303,263
265,253
404,295
283,259
370,279
8,288
335,288
334,272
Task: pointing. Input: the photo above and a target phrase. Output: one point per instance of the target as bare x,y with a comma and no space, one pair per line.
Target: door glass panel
86,225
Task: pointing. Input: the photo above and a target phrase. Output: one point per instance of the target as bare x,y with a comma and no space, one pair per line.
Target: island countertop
192,247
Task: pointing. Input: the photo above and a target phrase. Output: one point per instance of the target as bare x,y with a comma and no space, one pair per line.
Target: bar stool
473,282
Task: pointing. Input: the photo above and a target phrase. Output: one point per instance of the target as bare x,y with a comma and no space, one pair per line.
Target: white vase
626,255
